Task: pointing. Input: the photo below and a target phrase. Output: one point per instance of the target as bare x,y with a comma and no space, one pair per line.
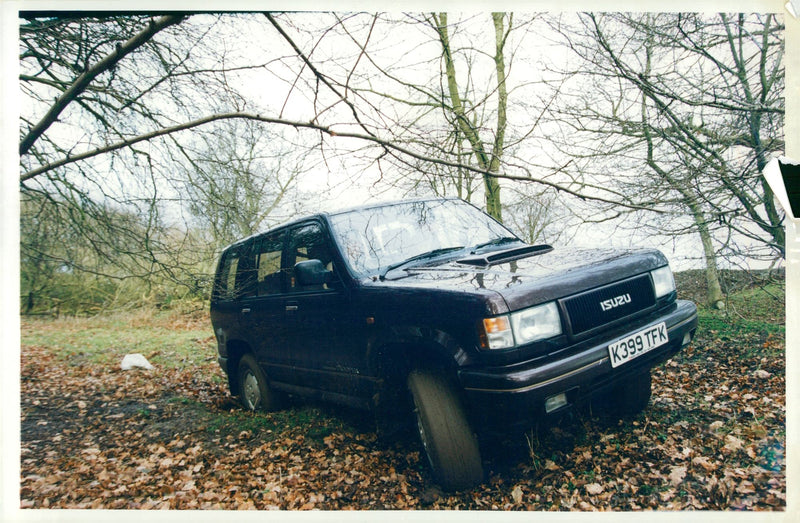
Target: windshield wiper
424,255
497,241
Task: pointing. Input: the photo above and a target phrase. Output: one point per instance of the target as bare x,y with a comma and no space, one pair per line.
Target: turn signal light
496,325
495,333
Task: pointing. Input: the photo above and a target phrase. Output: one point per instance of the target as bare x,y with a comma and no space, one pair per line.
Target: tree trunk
484,160
715,296
493,204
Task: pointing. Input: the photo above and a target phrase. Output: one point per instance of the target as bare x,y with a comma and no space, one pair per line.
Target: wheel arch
236,349
391,358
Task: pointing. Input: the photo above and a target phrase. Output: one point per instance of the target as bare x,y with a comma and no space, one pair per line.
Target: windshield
377,238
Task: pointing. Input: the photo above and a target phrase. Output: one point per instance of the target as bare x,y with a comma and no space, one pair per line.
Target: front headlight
525,326
663,281
536,323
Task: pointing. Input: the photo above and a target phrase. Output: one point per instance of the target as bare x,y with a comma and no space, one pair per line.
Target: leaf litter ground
93,436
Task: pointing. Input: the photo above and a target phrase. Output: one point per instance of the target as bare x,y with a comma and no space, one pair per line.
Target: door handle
291,306
245,310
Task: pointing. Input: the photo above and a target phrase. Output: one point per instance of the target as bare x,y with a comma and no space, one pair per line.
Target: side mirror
311,272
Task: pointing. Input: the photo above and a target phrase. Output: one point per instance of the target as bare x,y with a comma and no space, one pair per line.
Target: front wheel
446,436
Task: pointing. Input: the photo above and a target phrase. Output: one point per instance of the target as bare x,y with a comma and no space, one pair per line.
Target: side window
225,286
246,273
236,277
307,242
270,278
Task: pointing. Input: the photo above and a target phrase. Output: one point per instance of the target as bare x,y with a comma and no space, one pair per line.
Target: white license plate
637,344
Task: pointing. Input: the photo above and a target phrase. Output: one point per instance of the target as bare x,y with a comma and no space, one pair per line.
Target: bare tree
460,114
78,256
694,101
106,98
537,215
151,79
119,111
107,76
235,178
437,108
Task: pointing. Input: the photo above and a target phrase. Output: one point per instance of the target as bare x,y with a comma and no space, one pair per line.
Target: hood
537,278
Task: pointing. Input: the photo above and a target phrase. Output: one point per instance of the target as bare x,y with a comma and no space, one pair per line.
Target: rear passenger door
262,313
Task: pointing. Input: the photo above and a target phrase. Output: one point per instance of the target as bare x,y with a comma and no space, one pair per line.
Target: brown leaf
551,465
593,489
516,495
704,462
676,475
732,443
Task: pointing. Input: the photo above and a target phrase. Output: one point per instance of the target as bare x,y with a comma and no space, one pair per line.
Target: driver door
319,317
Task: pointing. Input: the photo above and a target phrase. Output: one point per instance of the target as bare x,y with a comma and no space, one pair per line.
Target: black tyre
254,391
631,397
447,438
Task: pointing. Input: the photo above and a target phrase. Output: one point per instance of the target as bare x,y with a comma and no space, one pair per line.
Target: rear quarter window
236,277
225,284
270,279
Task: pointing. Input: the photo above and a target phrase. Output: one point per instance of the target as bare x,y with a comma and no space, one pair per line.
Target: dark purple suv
432,310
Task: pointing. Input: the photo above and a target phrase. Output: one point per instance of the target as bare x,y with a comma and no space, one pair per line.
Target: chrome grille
627,297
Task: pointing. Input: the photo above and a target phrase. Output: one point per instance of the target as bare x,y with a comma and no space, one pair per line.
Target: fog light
555,402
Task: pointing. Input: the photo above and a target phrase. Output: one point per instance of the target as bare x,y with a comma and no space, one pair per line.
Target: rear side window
237,274
225,287
270,278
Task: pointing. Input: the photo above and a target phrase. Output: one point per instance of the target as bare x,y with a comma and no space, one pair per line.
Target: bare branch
386,144
82,82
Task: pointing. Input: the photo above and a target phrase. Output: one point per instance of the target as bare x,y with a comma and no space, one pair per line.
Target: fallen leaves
761,374
732,444
96,437
705,463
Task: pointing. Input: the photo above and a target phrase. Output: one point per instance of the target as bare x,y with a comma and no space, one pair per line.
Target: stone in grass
135,361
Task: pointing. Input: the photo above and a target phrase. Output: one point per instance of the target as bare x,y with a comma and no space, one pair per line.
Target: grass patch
726,329
764,303
310,421
236,421
166,339
752,316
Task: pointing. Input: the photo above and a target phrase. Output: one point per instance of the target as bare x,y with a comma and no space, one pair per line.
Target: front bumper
514,396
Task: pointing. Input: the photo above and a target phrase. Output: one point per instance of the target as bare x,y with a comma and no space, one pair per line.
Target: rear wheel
446,436
254,391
